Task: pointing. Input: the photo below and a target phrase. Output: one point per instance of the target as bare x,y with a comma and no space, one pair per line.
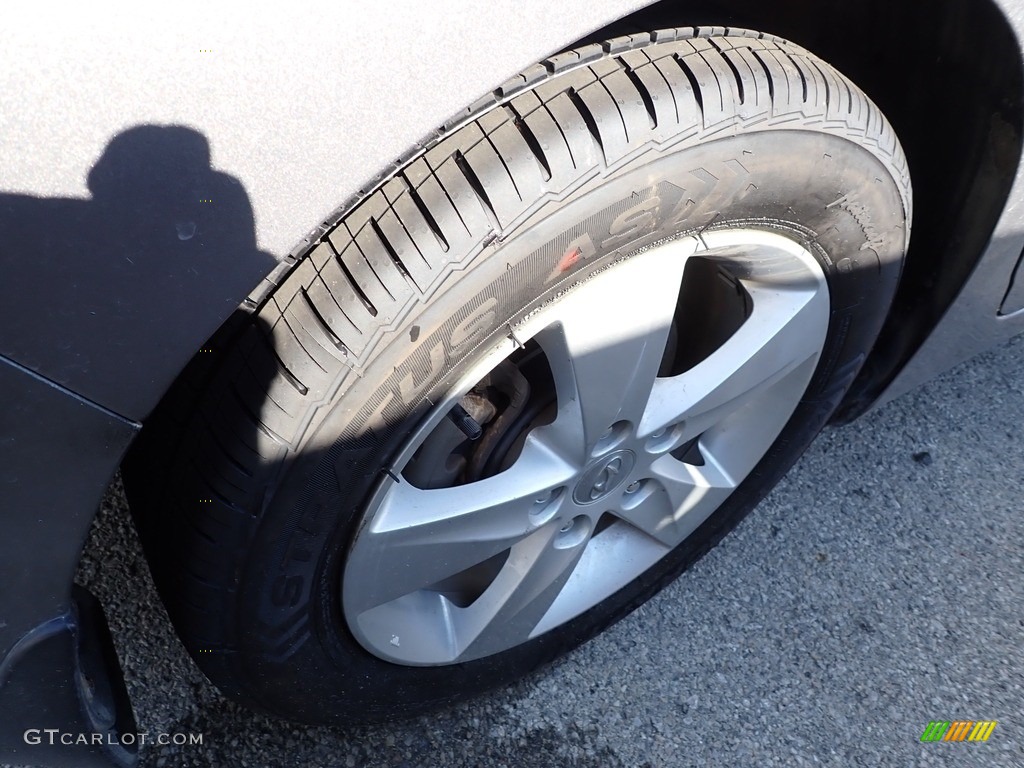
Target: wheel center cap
603,476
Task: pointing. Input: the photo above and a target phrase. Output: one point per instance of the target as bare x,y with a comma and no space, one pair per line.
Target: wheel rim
630,465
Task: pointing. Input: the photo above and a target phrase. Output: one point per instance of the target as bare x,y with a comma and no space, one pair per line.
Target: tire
265,487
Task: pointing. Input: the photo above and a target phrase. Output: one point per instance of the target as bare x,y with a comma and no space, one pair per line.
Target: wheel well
948,76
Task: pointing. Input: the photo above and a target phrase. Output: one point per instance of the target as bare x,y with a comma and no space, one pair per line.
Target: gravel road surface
878,588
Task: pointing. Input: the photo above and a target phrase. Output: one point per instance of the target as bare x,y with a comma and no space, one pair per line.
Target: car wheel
523,384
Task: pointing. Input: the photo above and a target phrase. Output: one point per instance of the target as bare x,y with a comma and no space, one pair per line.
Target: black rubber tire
248,483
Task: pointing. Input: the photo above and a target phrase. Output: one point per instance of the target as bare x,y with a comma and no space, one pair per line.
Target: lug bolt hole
573,533
636,493
665,439
612,437
545,507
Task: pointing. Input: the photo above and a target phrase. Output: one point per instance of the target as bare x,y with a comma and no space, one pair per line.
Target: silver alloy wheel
611,449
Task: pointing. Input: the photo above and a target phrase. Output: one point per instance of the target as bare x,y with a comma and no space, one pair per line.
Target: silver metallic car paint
304,103
301,102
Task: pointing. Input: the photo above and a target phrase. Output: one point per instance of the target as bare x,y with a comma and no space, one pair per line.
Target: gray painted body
305,106
302,105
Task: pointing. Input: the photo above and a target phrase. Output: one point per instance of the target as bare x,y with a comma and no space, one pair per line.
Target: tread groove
767,74
800,71
290,377
732,68
347,315
668,85
720,87
199,531
209,430
694,84
428,216
389,249
256,420
824,79
409,236
191,573
451,202
504,164
849,94
354,285
561,132
211,488
328,331
478,189
377,274
531,140
588,117
645,95
618,109
298,340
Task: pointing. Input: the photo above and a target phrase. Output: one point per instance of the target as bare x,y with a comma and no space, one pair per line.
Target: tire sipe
529,379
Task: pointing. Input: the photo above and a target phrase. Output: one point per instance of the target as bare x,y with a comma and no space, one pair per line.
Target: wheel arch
957,108
914,62
948,76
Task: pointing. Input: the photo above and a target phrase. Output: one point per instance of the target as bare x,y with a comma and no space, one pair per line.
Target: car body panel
303,106
57,452
305,110
275,95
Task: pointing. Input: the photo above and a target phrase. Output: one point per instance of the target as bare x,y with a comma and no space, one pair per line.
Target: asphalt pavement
878,588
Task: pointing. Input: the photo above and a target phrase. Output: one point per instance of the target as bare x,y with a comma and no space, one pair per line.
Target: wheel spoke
737,442
420,537
536,570
770,344
608,342
676,498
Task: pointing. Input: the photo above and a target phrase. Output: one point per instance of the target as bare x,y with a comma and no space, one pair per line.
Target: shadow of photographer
110,296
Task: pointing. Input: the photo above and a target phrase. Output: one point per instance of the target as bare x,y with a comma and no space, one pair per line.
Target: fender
272,117
190,147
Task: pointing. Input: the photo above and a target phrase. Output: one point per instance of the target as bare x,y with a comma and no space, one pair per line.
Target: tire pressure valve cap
467,424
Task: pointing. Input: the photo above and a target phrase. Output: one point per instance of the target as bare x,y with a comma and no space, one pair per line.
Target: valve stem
469,426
